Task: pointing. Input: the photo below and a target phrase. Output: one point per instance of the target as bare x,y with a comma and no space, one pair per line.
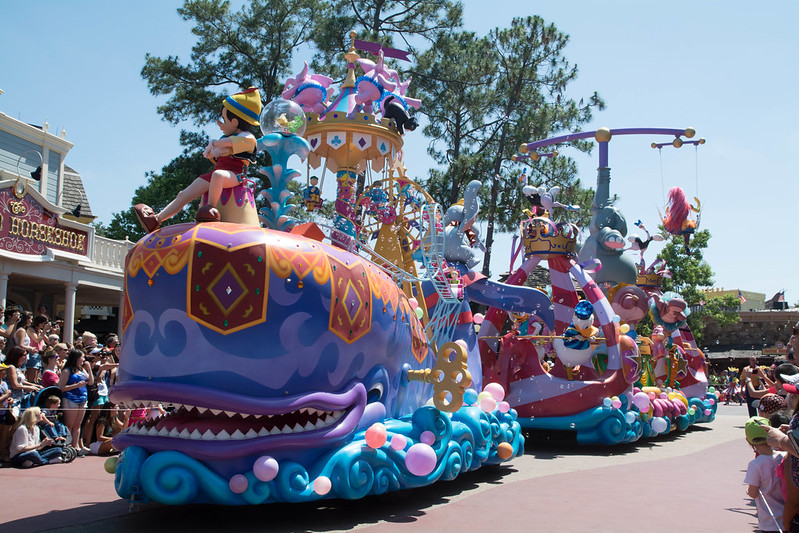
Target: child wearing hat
231,154
763,485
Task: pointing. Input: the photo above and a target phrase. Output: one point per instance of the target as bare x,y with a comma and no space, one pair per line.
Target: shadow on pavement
551,445
326,515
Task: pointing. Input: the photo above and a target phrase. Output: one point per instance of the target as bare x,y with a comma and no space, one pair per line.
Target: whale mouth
213,424
192,422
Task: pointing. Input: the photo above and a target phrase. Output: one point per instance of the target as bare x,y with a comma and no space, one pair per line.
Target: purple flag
374,48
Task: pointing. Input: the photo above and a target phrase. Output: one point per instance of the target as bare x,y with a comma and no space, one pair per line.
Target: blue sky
729,69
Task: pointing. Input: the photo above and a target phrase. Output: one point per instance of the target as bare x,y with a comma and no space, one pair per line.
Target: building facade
749,300
49,253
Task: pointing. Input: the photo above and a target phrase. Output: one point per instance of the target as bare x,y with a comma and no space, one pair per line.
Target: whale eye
375,393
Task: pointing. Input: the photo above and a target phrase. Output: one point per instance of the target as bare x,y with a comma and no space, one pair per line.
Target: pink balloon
641,401
398,442
496,390
504,407
427,437
322,485
420,459
707,412
711,401
652,396
478,318
265,468
376,435
413,303
238,484
488,404
616,404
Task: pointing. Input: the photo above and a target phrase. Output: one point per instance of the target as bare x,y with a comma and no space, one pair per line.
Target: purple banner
374,48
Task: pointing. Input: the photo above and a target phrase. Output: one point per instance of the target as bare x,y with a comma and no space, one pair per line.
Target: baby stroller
57,432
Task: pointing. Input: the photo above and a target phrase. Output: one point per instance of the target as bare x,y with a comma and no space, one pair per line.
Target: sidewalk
691,481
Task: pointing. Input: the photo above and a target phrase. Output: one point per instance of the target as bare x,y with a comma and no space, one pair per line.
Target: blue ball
470,397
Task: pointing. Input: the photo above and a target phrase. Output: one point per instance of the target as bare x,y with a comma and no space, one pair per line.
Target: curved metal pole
604,135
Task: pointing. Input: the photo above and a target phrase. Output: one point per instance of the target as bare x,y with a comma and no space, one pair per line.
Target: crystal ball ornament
282,116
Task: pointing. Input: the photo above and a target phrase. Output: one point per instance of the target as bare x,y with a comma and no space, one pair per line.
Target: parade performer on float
231,154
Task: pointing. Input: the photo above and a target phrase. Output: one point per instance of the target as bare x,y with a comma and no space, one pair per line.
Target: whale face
261,341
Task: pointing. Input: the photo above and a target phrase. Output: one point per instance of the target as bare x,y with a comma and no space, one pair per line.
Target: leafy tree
690,273
392,23
488,95
234,50
530,94
456,75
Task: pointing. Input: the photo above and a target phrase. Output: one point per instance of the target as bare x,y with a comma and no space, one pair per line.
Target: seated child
761,477
50,425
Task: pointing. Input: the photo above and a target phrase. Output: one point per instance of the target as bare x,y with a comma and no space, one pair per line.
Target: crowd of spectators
54,404
772,478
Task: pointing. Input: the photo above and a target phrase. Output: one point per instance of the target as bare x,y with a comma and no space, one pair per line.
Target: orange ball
505,451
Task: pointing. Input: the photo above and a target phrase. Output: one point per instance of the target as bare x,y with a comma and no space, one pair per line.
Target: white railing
110,253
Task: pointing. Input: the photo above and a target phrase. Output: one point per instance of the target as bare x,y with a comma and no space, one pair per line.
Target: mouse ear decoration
245,105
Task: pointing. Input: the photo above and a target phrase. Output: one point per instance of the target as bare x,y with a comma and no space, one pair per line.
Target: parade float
605,384
301,361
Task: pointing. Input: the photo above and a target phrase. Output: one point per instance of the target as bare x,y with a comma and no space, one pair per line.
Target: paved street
690,481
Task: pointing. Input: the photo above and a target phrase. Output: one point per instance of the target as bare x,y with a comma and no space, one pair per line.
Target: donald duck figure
574,348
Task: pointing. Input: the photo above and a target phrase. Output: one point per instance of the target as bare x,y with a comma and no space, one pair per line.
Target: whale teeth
251,434
215,411
209,435
263,432
174,433
309,426
237,435
152,431
163,432
223,435
231,414
201,410
184,434
196,435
